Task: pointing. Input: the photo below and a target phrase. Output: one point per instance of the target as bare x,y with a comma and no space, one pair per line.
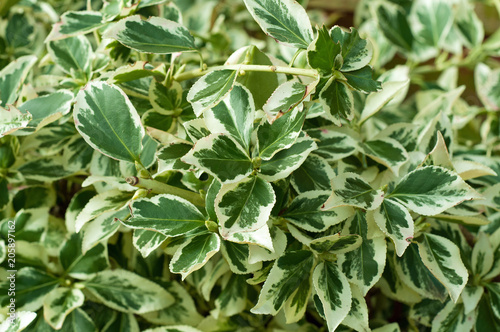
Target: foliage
169,167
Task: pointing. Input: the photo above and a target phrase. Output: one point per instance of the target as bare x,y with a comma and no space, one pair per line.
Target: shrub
165,166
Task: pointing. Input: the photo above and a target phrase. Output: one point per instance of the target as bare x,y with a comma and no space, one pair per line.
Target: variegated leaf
281,134
334,292
221,156
364,265
196,129
82,265
431,190
46,169
194,253
453,318
335,143
283,163
244,206
11,119
127,292
102,228
73,55
156,35
442,258
357,318
21,320
396,222
470,297
210,89
376,100
482,255
288,272
125,322
425,311
76,23
356,52
233,298
237,257
387,152
286,21
59,303
324,54
108,121
233,116
296,305
337,101
169,157
212,272
259,253
305,212
337,244
12,77
167,214
362,80
260,237
350,189
393,327
173,328
146,241
314,174
287,96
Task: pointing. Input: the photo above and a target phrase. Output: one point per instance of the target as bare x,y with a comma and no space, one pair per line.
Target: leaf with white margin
194,253
431,21
357,318
165,213
76,23
174,328
59,303
396,222
440,155
155,35
287,96
296,305
333,291
48,108
287,273
244,206
387,152
169,157
337,101
324,54
102,228
81,265
471,296
431,190
283,163
261,254
111,200
128,292
364,265
233,116
73,55
221,156
213,273
281,134
315,173
196,129
286,21
108,121
11,119
350,189
12,77
376,100
21,320
46,169
210,89
442,258
334,143
305,212
125,322
146,241
356,52
233,297
453,318
393,327
237,257
482,255
468,169
336,243
260,237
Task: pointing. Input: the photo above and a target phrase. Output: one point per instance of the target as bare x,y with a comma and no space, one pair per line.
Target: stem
261,68
163,188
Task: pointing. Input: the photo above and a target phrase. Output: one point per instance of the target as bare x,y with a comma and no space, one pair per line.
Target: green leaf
210,89
485,319
167,214
396,222
356,52
12,119
156,35
361,80
221,156
453,318
305,212
314,174
233,116
350,189
82,265
288,273
285,21
281,134
286,96
324,54
108,121
337,101
12,77
244,206
364,265
76,23
194,253
72,54
431,190
59,303
442,258
127,292
333,291
283,163
31,287
334,143
392,21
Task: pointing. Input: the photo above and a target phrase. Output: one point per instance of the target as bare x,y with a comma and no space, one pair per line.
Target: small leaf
314,174
361,80
453,318
356,52
12,77
76,23
392,21
72,54
334,143
147,241
12,119
337,101
59,303
323,53
82,265
287,96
